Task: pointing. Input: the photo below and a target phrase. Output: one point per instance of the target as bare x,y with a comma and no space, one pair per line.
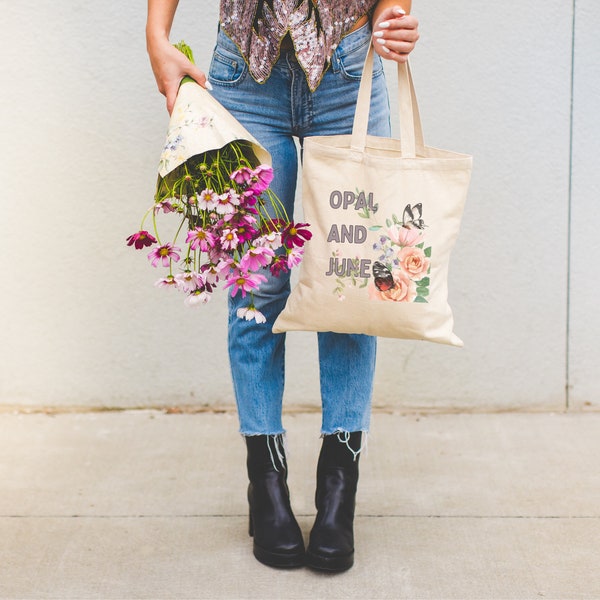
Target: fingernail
385,49
399,11
380,41
384,25
208,86
378,34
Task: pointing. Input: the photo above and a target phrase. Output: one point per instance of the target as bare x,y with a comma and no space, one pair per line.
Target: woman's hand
170,66
395,33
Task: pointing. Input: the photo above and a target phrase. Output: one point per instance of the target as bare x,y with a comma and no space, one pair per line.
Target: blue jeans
276,112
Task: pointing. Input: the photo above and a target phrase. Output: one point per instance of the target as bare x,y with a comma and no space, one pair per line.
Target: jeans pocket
227,66
352,51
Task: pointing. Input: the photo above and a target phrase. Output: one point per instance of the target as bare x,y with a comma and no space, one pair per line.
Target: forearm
160,19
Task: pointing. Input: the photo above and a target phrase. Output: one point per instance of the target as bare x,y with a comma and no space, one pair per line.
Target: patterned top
315,27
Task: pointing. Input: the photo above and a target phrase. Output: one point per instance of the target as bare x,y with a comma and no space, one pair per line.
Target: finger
408,22
397,46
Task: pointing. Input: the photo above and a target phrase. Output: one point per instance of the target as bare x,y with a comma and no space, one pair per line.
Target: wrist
155,40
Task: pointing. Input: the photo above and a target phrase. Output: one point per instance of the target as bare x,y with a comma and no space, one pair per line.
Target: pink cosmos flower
405,236
210,274
168,281
189,281
207,199
242,216
261,179
165,205
224,266
164,254
200,239
296,234
249,313
294,257
229,239
242,176
256,258
141,239
246,282
414,262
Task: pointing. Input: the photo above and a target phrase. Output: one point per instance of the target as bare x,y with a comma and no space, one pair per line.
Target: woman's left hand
395,34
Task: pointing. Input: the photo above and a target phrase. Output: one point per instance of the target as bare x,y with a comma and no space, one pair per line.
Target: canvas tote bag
384,214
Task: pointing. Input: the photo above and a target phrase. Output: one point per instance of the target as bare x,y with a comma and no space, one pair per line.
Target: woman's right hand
170,66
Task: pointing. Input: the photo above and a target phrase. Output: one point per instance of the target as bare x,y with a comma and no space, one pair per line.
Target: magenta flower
141,239
256,258
296,234
246,282
200,239
164,254
279,265
245,233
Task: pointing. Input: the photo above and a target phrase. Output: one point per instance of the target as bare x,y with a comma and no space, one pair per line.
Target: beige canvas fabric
385,215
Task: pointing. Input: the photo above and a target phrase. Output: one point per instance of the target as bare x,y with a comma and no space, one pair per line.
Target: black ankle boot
331,545
277,537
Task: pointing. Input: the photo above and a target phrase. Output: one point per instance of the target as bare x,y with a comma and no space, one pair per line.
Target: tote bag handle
411,138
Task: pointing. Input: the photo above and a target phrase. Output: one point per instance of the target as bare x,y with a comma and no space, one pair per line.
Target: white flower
270,240
196,298
249,313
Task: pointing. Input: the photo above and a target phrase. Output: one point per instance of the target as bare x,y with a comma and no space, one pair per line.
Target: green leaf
186,50
423,291
424,282
375,228
428,252
420,300
388,222
420,245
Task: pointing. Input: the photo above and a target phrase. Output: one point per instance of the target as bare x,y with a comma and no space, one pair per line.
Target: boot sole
331,564
278,560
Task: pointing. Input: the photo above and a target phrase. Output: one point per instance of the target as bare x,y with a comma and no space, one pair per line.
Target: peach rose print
404,290
414,262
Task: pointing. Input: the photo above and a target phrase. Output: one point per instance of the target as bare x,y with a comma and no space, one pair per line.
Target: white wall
83,125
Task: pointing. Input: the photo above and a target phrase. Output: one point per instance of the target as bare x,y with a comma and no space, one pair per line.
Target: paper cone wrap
200,124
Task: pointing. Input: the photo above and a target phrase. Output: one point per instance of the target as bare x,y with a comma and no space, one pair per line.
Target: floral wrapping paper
200,124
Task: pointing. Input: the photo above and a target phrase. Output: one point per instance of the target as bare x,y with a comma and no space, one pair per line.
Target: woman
289,69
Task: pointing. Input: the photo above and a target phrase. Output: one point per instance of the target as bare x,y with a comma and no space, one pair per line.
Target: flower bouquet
214,178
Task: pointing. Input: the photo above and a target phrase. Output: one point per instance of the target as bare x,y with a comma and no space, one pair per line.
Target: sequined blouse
315,26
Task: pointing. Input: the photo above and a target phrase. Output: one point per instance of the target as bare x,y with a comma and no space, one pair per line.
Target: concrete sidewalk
149,505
